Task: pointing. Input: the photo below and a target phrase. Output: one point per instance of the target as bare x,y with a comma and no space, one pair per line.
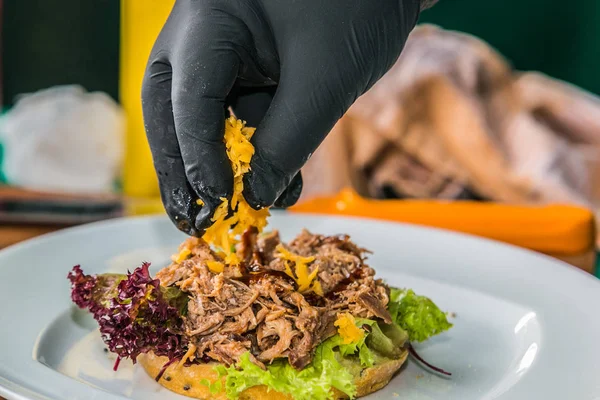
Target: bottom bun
186,380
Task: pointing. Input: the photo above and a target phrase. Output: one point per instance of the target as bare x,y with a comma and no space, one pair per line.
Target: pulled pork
257,307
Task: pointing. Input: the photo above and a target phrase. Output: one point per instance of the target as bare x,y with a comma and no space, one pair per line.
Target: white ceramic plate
526,326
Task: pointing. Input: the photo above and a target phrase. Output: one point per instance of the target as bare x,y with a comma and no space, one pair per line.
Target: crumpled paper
63,139
453,120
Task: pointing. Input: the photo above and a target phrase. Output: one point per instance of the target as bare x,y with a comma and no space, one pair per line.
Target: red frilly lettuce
134,312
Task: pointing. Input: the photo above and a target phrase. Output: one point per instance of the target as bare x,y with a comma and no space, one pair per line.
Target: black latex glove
290,67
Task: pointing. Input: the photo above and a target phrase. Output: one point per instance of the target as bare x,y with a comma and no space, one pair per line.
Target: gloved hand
290,67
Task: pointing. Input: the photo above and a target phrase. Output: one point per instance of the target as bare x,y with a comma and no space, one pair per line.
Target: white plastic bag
63,139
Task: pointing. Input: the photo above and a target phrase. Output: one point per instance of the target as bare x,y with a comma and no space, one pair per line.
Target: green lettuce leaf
313,382
417,315
387,340
365,355
334,359
213,387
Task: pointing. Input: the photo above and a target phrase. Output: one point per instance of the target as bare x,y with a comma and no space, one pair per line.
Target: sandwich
241,314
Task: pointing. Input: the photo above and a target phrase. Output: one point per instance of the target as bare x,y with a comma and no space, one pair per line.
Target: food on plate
227,226
306,319
241,314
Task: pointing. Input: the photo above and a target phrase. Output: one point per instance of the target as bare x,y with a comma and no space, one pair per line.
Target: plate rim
425,228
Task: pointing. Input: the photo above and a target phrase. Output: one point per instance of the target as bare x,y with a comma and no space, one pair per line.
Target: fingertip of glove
264,183
177,204
181,220
290,196
187,228
256,194
203,217
195,222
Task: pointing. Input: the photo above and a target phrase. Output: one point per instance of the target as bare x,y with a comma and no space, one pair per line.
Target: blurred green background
559,38
50,42
55,42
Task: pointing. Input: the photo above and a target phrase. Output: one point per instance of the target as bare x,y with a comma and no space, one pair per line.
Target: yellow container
141,22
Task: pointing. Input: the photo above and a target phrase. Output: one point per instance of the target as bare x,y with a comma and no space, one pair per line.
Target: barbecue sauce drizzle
254,271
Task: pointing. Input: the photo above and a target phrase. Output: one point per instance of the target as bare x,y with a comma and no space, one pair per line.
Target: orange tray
552,229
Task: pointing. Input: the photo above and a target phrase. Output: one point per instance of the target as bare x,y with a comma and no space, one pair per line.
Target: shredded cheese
200,202
347,328
182,255
191,351
223,233
306,280
215,266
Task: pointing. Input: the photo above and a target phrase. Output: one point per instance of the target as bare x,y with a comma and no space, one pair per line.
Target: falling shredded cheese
347,328
306,280
227,227
215,266
183,255
224,232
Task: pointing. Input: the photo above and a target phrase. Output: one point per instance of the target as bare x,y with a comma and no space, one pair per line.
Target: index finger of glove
204,72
